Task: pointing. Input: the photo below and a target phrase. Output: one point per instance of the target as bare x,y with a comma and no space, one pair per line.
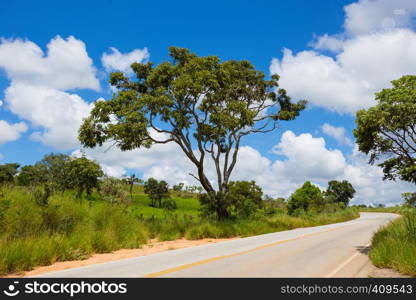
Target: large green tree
203,105
82,175
7,172
387,131
304,198
339,191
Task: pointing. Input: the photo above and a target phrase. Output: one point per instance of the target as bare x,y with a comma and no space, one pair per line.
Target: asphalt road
335,250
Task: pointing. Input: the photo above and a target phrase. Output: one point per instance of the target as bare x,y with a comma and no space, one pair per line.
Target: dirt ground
153,247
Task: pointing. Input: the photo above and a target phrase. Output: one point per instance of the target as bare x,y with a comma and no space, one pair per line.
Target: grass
394,246
67,229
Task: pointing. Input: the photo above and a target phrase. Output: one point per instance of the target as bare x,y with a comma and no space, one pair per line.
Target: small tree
242,200
409,199
178,187
158,192
7,172
83,175
131,180
388,130
304,198
339,192
112,190
54,168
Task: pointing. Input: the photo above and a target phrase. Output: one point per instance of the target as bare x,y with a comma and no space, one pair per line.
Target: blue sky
323,50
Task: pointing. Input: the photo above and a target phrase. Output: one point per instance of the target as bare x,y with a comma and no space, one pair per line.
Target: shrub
305,198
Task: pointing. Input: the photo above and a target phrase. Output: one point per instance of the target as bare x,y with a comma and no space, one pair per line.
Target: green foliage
82,174
307,197
7,172
388,130
112,190
394,246
53,169
32,175
409,199
242,200
339,192
158,192
131,180
178,187
200,101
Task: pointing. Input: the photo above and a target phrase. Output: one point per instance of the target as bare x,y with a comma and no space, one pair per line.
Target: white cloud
338,133
117,61
11,132
66,64
327,42
39,84
366,16
369,54
307,157
55,115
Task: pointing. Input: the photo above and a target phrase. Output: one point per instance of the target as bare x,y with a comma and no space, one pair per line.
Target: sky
55,59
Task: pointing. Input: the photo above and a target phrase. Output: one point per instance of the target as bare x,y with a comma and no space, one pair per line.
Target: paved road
335,250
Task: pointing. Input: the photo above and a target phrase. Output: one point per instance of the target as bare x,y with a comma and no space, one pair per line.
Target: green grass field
394,246
67,229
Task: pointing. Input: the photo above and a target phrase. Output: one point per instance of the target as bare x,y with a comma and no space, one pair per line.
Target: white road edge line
340,267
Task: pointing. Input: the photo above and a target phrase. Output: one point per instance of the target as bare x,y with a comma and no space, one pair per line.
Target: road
335,250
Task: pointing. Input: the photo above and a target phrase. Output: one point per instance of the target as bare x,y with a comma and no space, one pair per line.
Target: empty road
335,250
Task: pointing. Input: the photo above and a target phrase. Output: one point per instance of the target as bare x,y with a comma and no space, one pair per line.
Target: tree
409,199
53,168
32,175
304,198
388,130
157,191
195,102
339,191
178,187
83,175
7,172
245,197
131,180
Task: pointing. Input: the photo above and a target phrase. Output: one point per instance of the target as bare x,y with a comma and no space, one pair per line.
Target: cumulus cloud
55,115
366,16
66,64
39,84
338,133
117,61
368,55
11,132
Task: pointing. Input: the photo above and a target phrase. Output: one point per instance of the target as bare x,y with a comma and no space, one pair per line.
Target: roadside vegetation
46,218
394,246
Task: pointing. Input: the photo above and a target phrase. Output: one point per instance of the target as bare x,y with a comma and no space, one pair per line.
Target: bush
305,198
112,191
242,200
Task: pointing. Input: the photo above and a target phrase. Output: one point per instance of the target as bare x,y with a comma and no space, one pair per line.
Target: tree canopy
387,131
7,172
340,191
202,104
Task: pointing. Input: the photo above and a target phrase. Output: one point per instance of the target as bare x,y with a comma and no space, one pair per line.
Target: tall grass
394,246
68,229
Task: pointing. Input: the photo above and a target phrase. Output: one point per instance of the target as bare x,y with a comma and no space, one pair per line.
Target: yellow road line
201,262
